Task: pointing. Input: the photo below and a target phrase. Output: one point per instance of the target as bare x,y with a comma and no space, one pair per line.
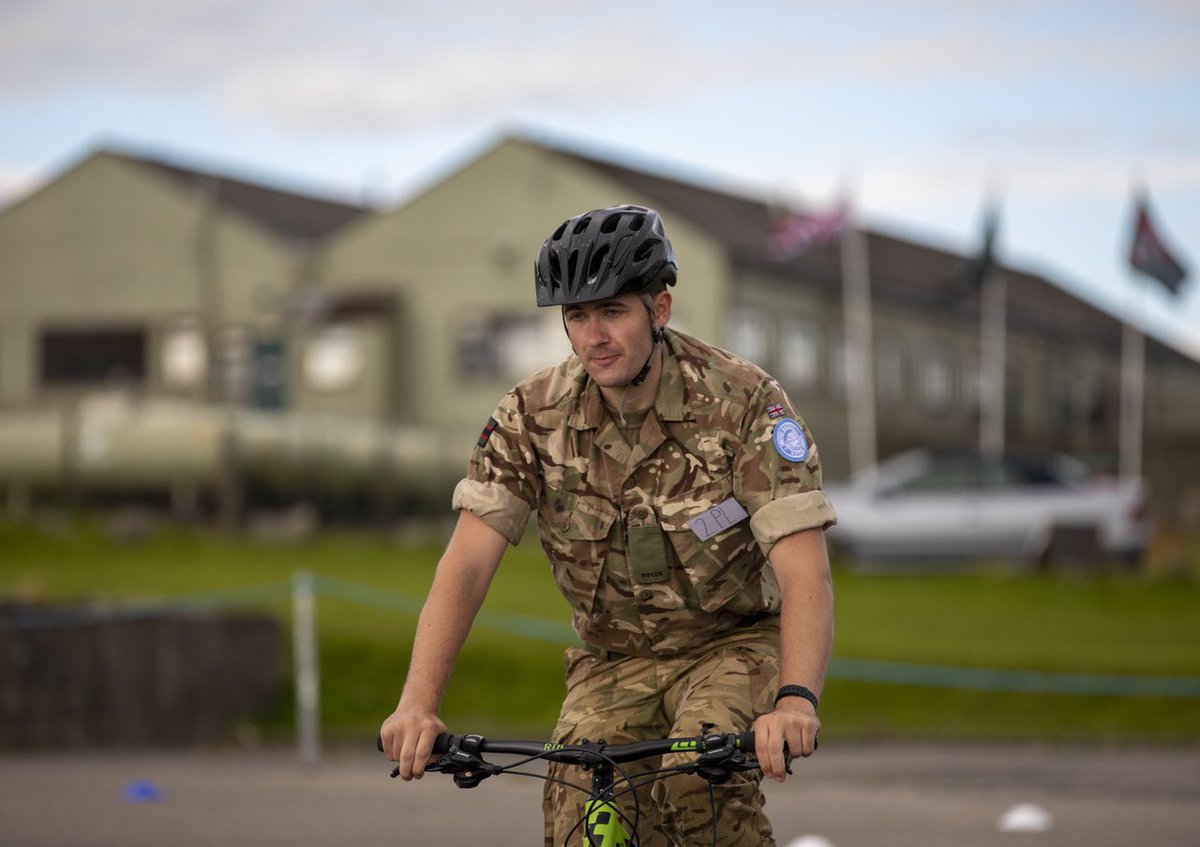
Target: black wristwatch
795,691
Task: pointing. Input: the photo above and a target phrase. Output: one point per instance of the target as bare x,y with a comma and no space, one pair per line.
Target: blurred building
171,282
134,272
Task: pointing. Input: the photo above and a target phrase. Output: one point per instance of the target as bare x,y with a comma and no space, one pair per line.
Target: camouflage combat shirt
614,518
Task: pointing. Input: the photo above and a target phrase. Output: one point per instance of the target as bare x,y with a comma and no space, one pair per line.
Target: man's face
612,337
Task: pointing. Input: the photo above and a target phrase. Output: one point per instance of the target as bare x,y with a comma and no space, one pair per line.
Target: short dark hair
665,278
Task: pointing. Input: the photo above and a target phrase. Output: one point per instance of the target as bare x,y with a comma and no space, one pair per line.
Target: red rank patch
487,432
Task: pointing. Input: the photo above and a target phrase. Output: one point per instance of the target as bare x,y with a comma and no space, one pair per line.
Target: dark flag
986,258
1150,256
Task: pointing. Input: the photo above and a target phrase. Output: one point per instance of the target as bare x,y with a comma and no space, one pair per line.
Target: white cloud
476,81
370,64
16,182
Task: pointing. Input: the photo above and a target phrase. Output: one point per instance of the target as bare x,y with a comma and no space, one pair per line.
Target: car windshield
926,471
955,471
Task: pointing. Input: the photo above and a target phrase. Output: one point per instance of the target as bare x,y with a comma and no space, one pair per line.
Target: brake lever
718,764
468,769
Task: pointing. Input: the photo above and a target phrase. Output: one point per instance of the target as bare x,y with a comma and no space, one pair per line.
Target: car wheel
1131,560
1074,547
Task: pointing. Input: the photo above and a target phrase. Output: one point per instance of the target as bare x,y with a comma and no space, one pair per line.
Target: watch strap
796,691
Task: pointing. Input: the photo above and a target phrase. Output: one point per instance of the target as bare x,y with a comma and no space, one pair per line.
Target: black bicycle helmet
604,253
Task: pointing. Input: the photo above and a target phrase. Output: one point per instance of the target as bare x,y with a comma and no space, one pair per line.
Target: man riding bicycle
679,503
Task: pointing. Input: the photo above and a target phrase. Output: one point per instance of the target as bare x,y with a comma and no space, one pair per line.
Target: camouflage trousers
729,683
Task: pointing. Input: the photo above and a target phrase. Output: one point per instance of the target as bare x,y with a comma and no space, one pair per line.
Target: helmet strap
645,371
656,335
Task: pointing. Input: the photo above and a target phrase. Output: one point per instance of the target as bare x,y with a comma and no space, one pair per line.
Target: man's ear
662,309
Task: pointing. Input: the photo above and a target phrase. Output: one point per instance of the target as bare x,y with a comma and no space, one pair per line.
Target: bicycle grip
746,742
441,744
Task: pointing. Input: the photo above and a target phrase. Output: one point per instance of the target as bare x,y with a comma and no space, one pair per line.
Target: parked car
932,505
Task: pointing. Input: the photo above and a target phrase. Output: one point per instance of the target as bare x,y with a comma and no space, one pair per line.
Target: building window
973,384
184,357
935,379
93,356
799,353
235,363
890,371
844,358
334,358
1062,403
509,347
748,334
1016,386
268,374
1098,405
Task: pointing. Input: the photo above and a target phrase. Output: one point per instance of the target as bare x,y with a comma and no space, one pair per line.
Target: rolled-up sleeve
501,484
798,512
495,505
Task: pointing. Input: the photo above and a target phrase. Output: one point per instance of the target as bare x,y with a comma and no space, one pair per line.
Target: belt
747,622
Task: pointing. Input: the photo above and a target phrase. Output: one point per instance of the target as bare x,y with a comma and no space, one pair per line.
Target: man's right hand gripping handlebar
407,738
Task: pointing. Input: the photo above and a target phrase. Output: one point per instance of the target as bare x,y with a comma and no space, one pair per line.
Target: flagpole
1133,387
860,358
993,353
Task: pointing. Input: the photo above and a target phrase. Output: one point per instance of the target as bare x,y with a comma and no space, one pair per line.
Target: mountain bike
712,756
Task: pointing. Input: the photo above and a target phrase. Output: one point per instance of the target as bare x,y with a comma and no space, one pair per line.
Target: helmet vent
637,222
645,249
597,260
555,268
610,223
583,224
572,263
558,233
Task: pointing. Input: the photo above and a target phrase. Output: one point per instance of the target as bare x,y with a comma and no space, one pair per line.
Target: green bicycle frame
602,827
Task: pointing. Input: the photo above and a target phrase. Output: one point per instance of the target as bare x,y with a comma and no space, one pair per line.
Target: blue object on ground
142,791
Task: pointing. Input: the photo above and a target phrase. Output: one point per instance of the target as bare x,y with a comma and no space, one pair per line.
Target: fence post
307,666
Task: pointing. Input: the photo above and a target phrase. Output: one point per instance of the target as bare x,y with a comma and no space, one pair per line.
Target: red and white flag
793,234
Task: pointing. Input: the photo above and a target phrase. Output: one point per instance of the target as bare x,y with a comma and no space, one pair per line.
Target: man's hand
408,736
795,722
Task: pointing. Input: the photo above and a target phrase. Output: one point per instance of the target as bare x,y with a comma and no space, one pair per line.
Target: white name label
717,519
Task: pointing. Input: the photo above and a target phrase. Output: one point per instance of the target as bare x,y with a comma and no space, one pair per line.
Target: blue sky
919,108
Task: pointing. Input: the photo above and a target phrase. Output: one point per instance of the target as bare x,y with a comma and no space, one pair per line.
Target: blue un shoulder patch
789,439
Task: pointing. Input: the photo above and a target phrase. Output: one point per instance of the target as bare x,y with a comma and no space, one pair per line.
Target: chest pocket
723,571
575,535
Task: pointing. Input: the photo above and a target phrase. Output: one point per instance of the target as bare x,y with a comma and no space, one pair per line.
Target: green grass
509,684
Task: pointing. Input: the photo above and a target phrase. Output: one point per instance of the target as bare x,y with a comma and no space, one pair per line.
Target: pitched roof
902,271
301,217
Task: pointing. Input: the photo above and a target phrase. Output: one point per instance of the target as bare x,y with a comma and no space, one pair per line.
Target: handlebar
576,753
715,755
591,753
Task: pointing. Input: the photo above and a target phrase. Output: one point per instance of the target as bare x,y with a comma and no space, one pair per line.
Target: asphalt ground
851,796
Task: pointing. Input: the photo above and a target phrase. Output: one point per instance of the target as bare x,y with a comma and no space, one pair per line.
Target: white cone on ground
1025,817
809,841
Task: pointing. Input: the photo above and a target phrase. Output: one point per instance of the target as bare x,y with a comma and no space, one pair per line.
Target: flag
1150,256
978,270
793,234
